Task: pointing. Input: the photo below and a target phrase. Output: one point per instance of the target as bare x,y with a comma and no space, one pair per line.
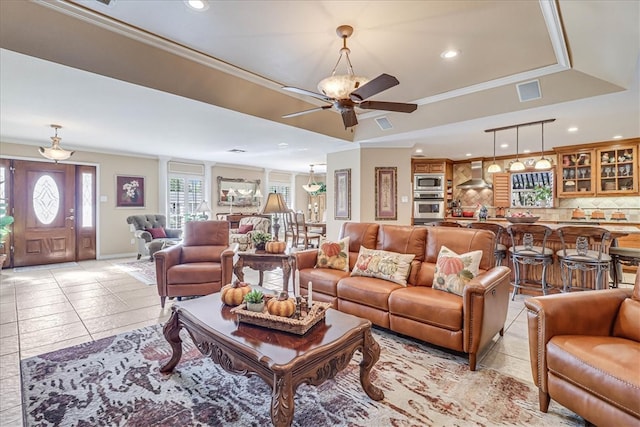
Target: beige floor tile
9,345
94,303
148,301
126,318
39,302
509,365
150,292
40,294
8,329
84,287
89,294
30,288
7,292
44,310
24,282
127,328
49,336
35,351
45,322
108,308
8,313
125,284
11,417
10,392
9,365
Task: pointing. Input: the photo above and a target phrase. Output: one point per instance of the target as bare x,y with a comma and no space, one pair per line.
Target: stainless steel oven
428,206
428,182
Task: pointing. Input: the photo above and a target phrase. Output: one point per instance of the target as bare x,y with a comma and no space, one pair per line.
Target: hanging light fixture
339,86
494,168
517,166
311,186
55,152
543,163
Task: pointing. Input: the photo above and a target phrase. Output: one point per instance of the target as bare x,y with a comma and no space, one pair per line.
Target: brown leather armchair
201,265
585,353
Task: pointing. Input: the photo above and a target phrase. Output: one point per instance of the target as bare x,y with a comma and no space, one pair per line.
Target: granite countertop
620,226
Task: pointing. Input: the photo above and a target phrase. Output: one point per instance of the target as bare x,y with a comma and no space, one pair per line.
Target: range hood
476,180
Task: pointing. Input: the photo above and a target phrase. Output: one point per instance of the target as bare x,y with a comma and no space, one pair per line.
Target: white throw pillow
391,266
454,271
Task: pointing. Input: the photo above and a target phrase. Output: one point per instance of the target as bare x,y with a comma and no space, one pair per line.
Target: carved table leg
171,332
370,355
261,277
237,269
282,400
286,273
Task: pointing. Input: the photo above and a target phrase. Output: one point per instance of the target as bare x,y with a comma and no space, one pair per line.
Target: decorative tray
286,324
523,219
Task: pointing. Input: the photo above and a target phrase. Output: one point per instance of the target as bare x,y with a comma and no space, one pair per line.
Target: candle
309,297
296,288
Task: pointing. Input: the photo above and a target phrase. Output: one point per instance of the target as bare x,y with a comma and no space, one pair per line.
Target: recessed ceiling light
198,5
283,145
572,129
419,150
526,151
504,145
617,137
468,154
448,54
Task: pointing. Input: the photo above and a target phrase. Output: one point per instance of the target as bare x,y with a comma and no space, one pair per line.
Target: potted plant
255,301
5,228
542,195
260,239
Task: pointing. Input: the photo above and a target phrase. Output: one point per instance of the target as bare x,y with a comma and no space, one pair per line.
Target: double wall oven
428,198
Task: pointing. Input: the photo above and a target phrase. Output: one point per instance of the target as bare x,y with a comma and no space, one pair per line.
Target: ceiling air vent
107,2
528,91
384,123
236,150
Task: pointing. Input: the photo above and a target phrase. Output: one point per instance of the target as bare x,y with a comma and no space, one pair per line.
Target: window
283,189
185,195
87,200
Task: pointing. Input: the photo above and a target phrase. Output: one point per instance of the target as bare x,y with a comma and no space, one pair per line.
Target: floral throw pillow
454,271
391,266
334,255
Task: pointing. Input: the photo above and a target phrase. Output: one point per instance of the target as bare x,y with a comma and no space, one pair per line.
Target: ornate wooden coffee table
264,261
282,360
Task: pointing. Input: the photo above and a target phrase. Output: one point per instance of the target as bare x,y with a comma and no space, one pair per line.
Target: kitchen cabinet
420,166
617,171
576,177
528,187
501,194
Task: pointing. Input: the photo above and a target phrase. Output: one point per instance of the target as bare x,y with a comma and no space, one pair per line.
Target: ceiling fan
346,91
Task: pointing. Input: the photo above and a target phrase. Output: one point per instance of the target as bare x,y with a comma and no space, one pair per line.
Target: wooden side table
264,261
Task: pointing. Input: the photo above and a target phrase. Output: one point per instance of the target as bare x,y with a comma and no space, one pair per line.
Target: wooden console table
286,361
263,261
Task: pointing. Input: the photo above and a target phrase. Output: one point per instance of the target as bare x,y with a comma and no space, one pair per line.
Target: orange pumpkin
233,294
282,306
274,247
330,249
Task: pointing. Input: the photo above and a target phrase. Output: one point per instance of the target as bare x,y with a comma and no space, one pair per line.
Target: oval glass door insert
46,199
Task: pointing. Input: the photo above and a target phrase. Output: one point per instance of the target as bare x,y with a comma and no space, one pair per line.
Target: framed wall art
129,191
342,201
386,191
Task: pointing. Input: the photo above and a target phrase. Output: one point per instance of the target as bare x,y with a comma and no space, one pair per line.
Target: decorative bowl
467,214
522,219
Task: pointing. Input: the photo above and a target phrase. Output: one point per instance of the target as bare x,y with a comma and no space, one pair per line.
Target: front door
44,206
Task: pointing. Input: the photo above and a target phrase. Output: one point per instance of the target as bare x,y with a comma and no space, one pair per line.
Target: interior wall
343,160
233,172
114,237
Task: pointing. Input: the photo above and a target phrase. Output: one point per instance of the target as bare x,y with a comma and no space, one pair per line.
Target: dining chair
529,248
304,235
583,250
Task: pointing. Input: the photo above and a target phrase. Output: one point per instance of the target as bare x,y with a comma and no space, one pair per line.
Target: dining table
316,227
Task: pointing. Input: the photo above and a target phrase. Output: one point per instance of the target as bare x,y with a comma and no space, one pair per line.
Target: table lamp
275,205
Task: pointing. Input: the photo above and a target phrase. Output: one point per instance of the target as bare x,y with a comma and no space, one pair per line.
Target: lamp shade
517,166
494,168
203,207
543,163
275,204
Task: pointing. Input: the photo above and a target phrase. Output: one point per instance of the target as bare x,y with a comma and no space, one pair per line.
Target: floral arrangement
131,188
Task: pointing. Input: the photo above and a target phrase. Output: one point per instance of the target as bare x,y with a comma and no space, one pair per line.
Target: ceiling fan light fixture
55,152
341,85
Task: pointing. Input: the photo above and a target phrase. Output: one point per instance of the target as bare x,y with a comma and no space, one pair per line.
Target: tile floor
42,310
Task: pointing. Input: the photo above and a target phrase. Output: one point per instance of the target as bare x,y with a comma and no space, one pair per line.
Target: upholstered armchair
585,353
246,227
201,265
152,228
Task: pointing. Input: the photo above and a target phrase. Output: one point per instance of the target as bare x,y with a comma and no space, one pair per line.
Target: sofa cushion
453,271
334,255
366,291
600,366
391,266
201,254
157,233
324,280
427,305
627,323
196,272
245,228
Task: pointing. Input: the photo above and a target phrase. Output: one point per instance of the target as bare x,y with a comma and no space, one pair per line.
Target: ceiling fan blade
377,85
300,113
388,106
308,93
349,118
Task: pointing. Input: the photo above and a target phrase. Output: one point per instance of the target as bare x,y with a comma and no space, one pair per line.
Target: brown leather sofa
462,323
585,353
201,265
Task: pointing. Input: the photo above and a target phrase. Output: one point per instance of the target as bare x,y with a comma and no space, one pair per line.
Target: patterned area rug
143,270
116,382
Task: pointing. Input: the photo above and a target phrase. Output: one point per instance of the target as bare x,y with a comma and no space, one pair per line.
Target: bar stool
587,254
524,252
445,224
619,257
499,250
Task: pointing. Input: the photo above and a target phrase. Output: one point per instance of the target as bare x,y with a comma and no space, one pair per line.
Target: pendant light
543,163
55,152
311,186
494,168
517,166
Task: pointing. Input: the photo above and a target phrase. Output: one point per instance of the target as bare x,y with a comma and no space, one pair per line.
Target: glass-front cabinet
532,189
618,170
576,173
